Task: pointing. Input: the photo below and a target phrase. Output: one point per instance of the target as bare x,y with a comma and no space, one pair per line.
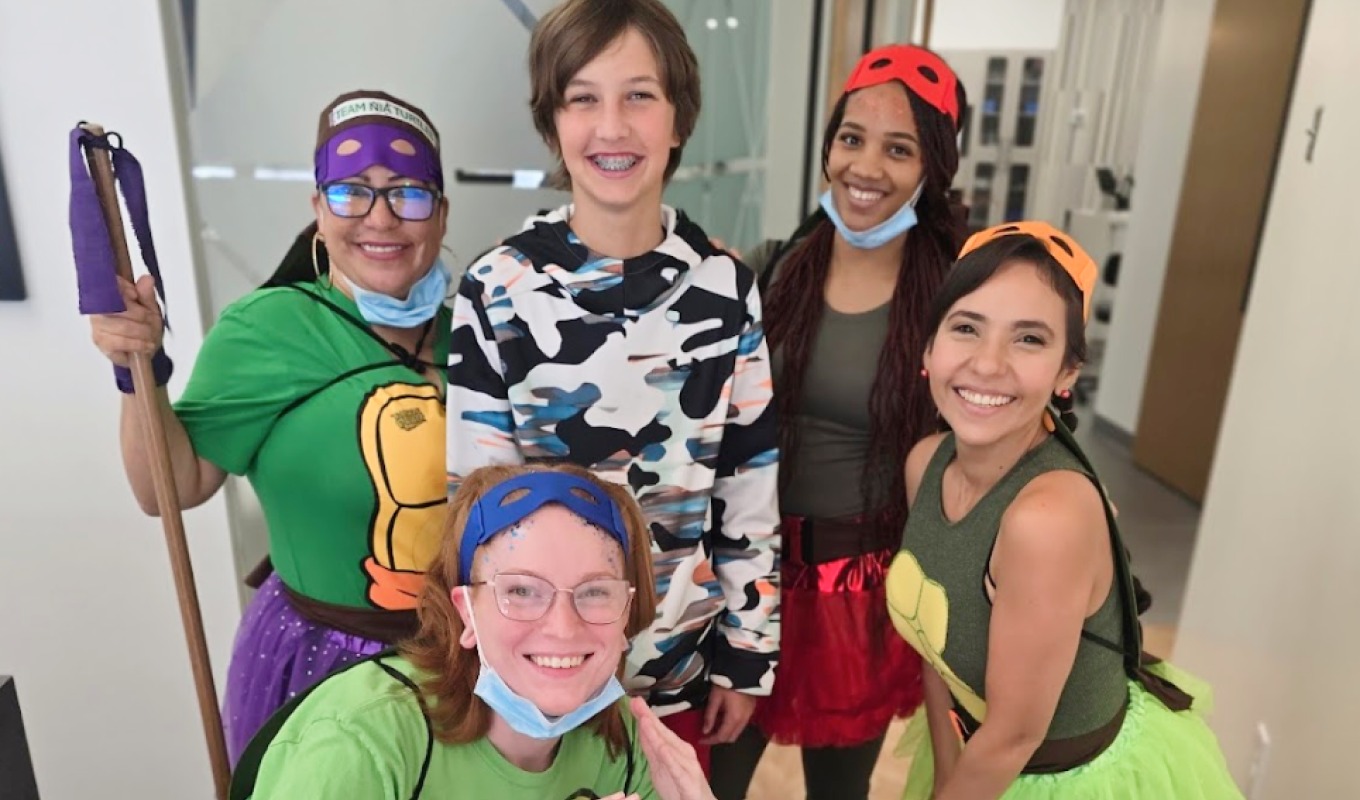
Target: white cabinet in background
1001,137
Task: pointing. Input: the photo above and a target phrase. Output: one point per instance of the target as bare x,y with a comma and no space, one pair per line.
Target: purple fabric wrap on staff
96,267
96,271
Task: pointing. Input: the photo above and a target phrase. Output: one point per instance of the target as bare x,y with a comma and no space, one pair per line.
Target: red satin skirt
844,672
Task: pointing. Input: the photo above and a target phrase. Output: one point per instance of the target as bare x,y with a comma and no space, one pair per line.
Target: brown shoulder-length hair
901,411
456,714
572,34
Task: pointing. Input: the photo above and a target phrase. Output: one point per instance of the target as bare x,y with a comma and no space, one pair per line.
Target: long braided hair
901,410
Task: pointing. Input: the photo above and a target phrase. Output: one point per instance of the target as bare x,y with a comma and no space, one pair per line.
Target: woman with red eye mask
845,301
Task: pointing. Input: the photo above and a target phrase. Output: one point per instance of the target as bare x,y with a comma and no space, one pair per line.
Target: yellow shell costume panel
919,609
401,437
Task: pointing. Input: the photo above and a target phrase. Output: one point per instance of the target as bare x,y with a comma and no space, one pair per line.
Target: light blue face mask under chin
903,220
419,307
520,713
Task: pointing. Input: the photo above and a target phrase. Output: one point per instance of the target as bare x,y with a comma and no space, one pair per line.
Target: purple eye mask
492,513
355,149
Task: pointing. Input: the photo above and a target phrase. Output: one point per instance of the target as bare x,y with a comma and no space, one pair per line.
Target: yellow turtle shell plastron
919,609
401,437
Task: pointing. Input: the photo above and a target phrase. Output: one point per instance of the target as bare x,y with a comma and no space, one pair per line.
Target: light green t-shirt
343,445
361,735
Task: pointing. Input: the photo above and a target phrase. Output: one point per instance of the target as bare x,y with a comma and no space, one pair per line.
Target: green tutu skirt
1158,755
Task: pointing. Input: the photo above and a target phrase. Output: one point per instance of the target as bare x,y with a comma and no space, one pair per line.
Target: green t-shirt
348,462
361,735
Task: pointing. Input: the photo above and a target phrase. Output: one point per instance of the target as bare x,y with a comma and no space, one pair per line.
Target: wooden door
1244,95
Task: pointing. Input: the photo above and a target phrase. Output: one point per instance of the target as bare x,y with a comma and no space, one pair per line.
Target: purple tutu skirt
278,654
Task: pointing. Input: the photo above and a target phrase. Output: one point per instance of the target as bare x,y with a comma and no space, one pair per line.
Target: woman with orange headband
1012,582
845,306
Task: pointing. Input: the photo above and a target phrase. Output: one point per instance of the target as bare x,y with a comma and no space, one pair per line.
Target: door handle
1312,134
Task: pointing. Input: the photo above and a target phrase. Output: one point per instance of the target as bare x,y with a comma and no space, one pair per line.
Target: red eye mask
923,72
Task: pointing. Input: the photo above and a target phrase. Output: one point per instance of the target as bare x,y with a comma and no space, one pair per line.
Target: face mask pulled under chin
902,220
519,712
419,306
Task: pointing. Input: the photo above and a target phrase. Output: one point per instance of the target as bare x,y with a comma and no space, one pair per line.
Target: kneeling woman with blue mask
510,689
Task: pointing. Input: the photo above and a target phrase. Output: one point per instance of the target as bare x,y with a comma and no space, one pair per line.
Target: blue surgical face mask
882,233
519,712
419,307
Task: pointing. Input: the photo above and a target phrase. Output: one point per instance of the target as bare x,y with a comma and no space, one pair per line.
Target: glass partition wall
720,183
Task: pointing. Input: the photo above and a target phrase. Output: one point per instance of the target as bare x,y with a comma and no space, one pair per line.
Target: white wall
1164,142
88,620
1269,614
996,24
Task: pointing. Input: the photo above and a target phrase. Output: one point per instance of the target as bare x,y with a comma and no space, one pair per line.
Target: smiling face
558,661
381,252
616,128
999,355
874,163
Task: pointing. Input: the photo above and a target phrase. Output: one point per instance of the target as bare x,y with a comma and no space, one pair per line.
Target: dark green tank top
937,596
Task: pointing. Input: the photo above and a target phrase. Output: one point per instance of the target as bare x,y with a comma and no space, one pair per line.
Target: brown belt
1059,755
388,627
817,540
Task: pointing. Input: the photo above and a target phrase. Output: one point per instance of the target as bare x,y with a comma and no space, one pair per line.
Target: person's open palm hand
676,774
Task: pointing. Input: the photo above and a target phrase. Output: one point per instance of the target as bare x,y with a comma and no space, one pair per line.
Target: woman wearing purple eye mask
321,387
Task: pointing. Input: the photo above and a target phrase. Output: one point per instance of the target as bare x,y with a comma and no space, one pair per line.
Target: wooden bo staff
163,477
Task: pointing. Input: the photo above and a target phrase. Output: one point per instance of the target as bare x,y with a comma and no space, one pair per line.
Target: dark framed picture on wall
11,275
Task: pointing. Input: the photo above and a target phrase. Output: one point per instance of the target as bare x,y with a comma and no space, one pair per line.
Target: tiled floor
1158,526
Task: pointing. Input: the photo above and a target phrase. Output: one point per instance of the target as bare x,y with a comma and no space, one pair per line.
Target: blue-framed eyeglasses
354,200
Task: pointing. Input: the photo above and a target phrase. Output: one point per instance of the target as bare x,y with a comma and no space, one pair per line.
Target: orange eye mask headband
1064,249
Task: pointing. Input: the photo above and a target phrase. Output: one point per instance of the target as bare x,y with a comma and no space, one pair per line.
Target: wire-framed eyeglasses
526,598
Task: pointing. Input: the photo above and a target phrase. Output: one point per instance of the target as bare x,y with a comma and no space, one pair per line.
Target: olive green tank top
824,478
938,601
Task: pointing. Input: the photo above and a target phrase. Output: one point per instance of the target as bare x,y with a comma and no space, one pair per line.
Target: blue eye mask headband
492,514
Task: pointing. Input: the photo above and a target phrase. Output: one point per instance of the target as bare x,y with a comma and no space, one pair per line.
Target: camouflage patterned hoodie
653,372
